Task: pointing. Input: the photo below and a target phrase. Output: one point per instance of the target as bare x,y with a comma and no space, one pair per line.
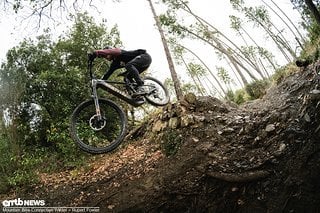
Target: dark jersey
125,56
120,58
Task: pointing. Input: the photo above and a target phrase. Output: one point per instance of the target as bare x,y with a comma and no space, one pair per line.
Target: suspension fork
95,97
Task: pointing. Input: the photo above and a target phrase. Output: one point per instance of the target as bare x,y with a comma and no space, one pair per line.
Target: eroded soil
263,156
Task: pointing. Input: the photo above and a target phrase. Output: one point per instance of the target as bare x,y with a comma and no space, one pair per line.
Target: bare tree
289,19
42,11
208,69
174,75
259,15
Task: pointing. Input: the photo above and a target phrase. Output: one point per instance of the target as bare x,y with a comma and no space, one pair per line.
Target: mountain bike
99,125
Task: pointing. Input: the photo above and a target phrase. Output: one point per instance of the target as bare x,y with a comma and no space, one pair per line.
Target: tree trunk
240,55
313,9
237,63
199,88
283,21
281,43
175,79
294,25
208,69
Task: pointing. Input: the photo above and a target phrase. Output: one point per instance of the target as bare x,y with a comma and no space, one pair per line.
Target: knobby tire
92,140
164,90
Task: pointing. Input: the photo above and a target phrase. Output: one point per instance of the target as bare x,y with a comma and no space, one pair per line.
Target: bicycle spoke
157,93
95,134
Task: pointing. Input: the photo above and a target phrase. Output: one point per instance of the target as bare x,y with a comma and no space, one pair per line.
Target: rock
270,128
190,98
258,138
280,150
187,120
307,118
282,147
315,91
158,126
205,147
242,131
199,119
315,94
303,62
214,104
195,139
229,130
173,123
226,130
181,110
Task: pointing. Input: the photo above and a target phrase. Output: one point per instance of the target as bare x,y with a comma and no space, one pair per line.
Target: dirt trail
263,156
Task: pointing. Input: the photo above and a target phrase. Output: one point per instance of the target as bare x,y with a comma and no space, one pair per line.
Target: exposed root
238,177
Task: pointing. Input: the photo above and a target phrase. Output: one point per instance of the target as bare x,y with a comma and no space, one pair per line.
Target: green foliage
25,169
238,97
301,6
16,168
283,72
314,31
65,149
42,82
171,142
251,91
311,52
236,4
190,88
196,70
169,20
257,89
224,75
235,22
186,87
309,21
5,162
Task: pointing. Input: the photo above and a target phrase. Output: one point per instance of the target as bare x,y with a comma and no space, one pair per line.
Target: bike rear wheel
96,135
158,94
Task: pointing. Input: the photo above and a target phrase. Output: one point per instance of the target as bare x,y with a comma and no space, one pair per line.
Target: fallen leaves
129,163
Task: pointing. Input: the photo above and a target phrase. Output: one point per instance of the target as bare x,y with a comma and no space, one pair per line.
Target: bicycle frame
107,86
105,127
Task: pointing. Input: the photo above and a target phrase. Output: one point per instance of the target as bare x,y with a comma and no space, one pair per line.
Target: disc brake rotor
97,124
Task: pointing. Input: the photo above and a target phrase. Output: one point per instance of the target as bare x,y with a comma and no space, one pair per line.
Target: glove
92,56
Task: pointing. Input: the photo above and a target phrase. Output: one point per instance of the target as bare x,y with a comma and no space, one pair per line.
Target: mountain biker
135,62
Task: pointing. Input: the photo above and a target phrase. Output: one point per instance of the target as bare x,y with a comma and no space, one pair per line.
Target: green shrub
239,96
171,142
20,162
257,89
6,168
17,170
67,153
281,73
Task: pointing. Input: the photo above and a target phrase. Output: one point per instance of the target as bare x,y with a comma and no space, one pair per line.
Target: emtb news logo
19,202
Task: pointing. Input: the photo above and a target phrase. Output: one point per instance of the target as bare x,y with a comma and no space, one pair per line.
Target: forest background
44,77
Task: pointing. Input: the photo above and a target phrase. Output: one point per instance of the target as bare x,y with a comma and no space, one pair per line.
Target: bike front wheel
158,94
95,134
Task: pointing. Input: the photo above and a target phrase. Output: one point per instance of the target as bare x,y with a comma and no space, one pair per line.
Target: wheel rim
157,94
95,134
96,123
